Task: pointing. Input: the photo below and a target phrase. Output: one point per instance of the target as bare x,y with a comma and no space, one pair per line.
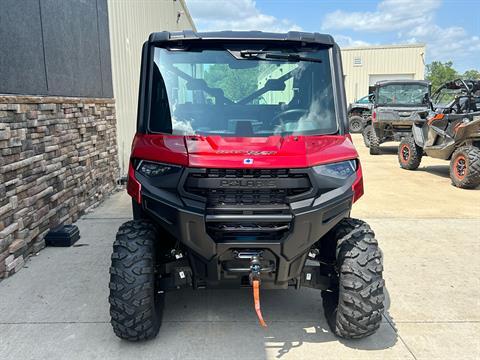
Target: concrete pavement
56,307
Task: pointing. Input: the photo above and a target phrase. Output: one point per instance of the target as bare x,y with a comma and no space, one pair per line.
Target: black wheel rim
405,153
461,167
355,125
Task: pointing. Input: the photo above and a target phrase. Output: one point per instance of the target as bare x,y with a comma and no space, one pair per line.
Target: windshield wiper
265,55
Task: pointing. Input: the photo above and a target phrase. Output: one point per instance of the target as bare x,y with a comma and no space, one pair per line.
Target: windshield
364,100
402,94
242,93
445,96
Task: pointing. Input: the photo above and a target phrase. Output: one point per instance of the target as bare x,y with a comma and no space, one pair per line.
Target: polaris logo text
248,161
248,183
245,152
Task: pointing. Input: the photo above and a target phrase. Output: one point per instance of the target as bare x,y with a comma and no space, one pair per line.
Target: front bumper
309,218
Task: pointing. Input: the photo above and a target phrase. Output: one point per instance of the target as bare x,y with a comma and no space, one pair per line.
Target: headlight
340,170
152,169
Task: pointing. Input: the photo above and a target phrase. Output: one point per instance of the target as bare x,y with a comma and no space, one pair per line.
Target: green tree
439,73
471,74
235,83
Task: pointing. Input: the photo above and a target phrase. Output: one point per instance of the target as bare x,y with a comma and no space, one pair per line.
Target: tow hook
255,270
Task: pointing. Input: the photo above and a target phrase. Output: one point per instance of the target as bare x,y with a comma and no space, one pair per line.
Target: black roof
242,35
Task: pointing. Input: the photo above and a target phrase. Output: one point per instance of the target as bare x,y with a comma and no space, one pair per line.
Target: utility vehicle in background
359,113
243,174
451,133
458,96
397,104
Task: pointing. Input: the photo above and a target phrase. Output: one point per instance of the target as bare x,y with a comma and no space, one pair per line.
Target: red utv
243,174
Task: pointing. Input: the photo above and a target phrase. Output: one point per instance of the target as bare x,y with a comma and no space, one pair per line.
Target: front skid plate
307,228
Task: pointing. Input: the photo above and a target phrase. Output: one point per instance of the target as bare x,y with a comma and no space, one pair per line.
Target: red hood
241,152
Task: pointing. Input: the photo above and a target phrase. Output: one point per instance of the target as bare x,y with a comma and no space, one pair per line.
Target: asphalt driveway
56,307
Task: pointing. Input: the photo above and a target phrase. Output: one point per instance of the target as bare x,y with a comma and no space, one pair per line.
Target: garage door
373,79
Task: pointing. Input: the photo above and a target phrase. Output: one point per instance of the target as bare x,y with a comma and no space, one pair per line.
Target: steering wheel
288,113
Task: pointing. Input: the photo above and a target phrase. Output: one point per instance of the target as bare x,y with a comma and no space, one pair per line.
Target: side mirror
427,101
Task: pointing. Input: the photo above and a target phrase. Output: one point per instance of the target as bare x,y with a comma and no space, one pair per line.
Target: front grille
259,194
247,186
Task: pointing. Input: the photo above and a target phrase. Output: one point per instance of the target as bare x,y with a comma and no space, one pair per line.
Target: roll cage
465,100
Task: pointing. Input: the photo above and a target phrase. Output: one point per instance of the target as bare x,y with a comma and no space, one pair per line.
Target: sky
449,28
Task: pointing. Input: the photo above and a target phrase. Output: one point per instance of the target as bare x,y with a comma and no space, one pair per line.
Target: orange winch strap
256,299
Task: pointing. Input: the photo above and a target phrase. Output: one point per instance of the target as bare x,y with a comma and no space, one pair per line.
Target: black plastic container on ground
65,235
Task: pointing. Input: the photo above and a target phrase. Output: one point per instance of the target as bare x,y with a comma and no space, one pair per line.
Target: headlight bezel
340,170
153,169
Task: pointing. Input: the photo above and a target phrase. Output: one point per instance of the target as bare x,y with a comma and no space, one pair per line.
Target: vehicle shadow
294,318
388,150
317,331
439,170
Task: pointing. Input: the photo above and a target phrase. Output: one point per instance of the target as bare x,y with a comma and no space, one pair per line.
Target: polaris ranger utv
243,174
397,104
360,113
451,133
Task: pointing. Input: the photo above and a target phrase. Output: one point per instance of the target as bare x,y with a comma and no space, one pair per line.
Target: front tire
356,124
374,143
366,135
135,304
409,154
355,305
465,167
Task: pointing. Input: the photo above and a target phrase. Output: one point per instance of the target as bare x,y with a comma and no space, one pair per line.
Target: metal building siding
131,22
380,60
55,47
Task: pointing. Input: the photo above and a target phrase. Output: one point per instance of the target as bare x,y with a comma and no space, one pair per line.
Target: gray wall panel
104,45
71,47
55,47
22,67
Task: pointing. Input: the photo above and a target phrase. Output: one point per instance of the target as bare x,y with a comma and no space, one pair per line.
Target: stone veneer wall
58,158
